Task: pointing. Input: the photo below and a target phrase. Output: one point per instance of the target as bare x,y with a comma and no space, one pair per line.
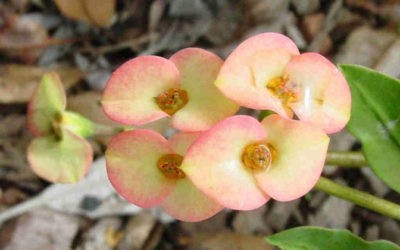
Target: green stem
81,125
104,130
346,159
360,198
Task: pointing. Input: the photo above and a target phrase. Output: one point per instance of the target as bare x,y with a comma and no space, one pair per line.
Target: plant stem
103,130
360,198
346,159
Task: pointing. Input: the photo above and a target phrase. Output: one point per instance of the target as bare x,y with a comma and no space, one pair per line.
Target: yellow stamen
169,165
258,156
172,100
278,86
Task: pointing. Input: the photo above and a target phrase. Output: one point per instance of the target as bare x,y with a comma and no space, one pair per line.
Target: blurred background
85,40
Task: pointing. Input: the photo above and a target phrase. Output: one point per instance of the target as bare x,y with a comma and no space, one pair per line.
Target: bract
133,168
148,88
217,162
266,72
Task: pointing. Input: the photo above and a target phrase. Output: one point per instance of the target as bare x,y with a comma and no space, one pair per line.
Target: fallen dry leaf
55,231
73,9
17,82
13,144
225,23
279,215
213,225
263,10
389,62
334,213
365,46
99,235
20,5
12,196
305,7
137,231
156,12
251,222
100,12
96,13
312,24
20,36
391,230
11,125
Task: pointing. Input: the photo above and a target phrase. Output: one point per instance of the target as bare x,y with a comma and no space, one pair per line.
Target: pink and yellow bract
132,95
267,72
132,166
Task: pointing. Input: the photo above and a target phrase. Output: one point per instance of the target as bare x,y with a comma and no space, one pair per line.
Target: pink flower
241,163
149,88
145,169
267,72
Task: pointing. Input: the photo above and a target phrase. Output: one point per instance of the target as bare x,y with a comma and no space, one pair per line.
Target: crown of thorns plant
217,159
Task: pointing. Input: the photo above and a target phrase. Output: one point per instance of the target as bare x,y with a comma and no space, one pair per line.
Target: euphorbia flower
145,169
148,88
59,153
241,163
267,72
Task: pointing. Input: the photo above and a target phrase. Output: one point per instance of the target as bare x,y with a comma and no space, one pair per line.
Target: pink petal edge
300,155
187,203
128,97
131,159
325,96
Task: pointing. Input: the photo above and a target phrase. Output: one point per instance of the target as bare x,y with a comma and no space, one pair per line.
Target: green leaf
375,120
316,238
47,102
265,113
61,160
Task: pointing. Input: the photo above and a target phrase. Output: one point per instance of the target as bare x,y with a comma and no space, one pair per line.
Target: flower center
56,125
278,86
257,156
169,165
172,100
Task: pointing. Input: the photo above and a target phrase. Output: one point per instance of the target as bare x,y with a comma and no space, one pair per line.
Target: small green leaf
47,101
77,124
375,120
316,238
61,160
265,113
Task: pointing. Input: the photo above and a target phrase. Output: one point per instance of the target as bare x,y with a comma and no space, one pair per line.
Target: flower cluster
220,159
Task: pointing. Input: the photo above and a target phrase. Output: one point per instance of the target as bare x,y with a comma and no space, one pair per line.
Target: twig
49,42
131,43
329,23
